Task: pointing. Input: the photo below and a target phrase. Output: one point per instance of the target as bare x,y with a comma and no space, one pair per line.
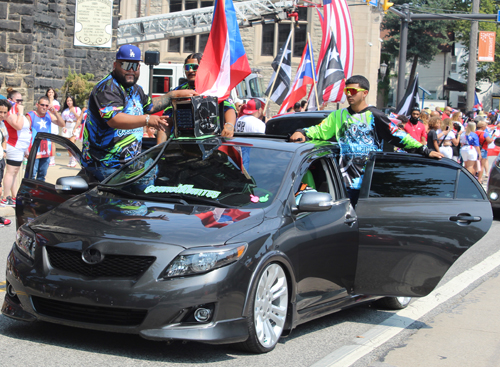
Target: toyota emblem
92,256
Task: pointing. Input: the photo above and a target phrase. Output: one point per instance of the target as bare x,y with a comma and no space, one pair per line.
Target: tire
267,318
393,303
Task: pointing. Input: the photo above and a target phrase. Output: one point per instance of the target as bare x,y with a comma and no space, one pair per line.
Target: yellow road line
2,286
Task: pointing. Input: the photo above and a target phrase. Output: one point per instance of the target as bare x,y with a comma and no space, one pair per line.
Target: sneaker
3,202
51,164
5,221
11,202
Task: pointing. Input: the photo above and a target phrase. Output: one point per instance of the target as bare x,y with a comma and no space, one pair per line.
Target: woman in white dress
71,113
51,94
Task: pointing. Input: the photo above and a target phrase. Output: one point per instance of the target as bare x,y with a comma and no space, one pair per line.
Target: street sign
498,17
375,3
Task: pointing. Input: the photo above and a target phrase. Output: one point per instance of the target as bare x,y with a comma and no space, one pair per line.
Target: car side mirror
314,202
71,185
497,142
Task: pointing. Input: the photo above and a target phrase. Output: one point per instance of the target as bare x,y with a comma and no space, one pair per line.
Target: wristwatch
147,120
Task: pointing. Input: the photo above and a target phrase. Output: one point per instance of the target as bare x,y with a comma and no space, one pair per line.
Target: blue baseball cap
129,53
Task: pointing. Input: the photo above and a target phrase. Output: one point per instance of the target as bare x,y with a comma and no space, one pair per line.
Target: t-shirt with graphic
19,139
40,124
102,144
250,124
358,134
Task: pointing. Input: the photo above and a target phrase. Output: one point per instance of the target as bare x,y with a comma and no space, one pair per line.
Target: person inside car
360,129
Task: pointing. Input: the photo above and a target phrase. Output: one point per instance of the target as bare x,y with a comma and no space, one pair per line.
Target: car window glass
53,161
466,188
405,178
232,175
315,177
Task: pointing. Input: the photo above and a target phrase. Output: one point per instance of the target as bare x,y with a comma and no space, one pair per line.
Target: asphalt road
25,344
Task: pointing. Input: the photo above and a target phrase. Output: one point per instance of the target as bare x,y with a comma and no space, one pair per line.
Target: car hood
116,218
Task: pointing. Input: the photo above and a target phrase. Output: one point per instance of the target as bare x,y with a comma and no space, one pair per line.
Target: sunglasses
127,65
19,100
353,91
43,105
193,67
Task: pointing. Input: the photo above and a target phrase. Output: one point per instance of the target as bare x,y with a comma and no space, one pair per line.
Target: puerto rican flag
224,62
303,77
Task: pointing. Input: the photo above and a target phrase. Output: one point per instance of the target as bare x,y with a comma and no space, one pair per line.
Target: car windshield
229,175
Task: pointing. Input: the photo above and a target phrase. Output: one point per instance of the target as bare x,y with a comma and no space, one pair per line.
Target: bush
78,86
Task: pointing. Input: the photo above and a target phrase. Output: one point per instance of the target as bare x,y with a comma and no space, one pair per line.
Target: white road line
380,334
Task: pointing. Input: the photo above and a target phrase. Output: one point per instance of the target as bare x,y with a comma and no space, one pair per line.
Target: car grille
89,314
122,266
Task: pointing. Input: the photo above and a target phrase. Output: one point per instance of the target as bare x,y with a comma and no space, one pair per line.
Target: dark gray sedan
234,241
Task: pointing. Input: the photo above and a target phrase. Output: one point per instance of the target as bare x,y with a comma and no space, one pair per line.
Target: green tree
424,36
486,71
78,86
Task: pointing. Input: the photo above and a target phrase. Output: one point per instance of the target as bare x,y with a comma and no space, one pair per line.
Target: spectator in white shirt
250,121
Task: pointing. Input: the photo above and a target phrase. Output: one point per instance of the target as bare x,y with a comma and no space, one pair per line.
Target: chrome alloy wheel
270,305
404,301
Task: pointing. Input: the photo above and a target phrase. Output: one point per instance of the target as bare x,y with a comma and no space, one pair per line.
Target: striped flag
303,77
477,104
410,99
225,63
282,84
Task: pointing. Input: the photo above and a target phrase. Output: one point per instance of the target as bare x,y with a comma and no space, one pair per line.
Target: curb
7,211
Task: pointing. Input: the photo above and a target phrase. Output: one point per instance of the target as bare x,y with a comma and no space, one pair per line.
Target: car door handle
349,219
465,218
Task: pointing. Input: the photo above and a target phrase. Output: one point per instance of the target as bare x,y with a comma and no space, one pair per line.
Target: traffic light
387,4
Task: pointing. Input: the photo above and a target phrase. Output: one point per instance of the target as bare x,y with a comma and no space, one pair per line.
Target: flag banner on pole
331,75
282,84
303,77
337,19
477,104
224,64
410,99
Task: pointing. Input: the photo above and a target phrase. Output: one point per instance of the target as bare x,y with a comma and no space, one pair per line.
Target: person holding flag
359,130
191,66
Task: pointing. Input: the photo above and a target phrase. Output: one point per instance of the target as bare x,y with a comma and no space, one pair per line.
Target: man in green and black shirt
359,130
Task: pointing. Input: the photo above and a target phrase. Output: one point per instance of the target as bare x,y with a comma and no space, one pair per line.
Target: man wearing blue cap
118,110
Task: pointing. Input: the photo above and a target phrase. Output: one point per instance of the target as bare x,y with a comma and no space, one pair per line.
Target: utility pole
403,45
471,77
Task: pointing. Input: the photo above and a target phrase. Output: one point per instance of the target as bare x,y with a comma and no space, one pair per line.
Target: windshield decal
182,189
256,199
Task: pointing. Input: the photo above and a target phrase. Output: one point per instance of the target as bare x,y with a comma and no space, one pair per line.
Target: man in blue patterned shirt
118,110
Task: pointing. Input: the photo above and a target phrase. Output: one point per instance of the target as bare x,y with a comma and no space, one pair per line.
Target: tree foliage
486,71
78,86
424,37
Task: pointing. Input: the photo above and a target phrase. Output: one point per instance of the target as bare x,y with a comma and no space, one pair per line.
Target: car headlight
201,260
26,241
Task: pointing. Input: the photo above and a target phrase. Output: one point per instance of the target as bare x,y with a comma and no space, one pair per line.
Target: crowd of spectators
465,138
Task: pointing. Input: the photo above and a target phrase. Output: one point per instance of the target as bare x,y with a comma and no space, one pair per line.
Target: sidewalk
466,335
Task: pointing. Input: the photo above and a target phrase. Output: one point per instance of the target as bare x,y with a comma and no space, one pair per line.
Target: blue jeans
100,173
40,169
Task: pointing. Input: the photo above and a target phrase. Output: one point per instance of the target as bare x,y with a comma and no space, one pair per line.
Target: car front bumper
43,294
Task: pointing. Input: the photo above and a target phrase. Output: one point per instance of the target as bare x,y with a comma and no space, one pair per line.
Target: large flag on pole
303,77
282,65
224,62
410,99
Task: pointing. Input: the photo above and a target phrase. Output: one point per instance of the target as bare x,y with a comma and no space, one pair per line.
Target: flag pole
312,68
278,70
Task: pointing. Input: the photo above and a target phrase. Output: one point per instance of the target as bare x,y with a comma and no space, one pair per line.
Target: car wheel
393,303
268,315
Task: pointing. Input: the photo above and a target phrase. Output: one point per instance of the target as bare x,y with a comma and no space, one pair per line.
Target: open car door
37,193
416,217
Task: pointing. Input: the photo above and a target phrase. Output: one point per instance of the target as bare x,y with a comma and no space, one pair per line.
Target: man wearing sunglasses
360,129
40,122
191,64
117,112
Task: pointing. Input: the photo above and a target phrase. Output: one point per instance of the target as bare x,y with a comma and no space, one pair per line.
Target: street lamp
383,69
